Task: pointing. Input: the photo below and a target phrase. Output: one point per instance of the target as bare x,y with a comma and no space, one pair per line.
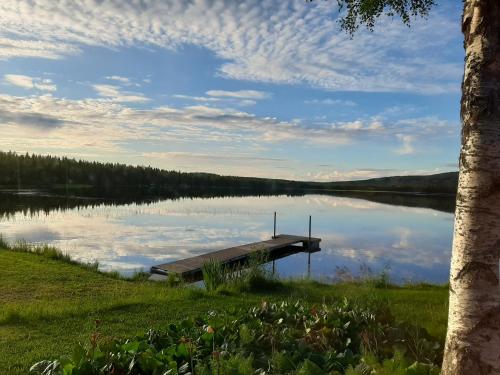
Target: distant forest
106,179
78,177
441,183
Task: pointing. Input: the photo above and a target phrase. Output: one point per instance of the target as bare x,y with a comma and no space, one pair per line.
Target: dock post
18,175
309,243
309,252
273,267
274,235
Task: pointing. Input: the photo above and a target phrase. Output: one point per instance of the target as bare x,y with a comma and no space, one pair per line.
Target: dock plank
277,247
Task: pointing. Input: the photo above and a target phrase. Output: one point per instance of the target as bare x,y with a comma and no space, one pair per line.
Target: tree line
30,171
78,177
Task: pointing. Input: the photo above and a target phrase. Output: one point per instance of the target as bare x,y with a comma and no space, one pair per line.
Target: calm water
414,242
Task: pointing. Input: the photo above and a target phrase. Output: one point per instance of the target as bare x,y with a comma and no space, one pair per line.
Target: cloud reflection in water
415,242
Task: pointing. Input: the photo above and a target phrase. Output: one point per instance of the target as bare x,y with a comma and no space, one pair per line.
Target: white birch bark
473,337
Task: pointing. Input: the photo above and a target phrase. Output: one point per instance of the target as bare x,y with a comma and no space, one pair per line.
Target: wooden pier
277,247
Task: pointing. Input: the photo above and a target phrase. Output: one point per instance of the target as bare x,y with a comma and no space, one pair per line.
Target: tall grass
46,251
249,276
54,253
366,276
214,274
3,243
174,280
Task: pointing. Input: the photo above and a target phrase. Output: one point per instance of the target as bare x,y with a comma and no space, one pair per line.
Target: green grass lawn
47,305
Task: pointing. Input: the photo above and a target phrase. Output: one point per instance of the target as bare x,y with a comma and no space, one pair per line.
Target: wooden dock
277,247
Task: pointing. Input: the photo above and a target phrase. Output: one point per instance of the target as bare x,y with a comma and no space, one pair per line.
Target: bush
278,338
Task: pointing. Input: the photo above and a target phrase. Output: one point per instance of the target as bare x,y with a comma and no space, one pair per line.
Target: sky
249,88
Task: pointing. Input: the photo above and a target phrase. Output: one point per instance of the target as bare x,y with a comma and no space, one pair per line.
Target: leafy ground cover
276,338
49,305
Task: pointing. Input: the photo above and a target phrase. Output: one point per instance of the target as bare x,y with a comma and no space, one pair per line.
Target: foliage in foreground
283,338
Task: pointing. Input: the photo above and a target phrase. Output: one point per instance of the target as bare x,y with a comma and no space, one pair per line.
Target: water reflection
414,241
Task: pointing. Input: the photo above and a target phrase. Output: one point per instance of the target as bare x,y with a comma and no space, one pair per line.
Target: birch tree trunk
473,338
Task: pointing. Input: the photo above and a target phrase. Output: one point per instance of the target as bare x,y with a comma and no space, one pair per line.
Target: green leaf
68,369
182,351
310,368
131,347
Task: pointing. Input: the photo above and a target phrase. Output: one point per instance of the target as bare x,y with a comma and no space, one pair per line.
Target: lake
358,235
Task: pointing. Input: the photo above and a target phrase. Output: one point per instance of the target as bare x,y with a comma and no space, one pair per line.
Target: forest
78,177
61,174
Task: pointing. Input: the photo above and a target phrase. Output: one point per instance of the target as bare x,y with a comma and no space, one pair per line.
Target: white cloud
246,102
123,80
406,144
238,98
332,102
30,83
30,48
115,94
203,99
233,158
19,80
364,173
240,94
282,42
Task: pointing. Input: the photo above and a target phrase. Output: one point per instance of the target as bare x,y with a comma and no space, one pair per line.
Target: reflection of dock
277,247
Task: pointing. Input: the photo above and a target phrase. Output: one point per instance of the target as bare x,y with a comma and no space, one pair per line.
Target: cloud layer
282,42
197,137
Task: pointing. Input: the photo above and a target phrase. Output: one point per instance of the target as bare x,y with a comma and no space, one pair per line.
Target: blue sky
254,88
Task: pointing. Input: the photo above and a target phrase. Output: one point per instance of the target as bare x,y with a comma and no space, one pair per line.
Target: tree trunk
473,338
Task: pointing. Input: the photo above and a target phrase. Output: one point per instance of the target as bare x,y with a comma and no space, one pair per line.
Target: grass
48,304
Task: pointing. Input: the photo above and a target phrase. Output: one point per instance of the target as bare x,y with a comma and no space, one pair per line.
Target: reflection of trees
441,202
31,204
